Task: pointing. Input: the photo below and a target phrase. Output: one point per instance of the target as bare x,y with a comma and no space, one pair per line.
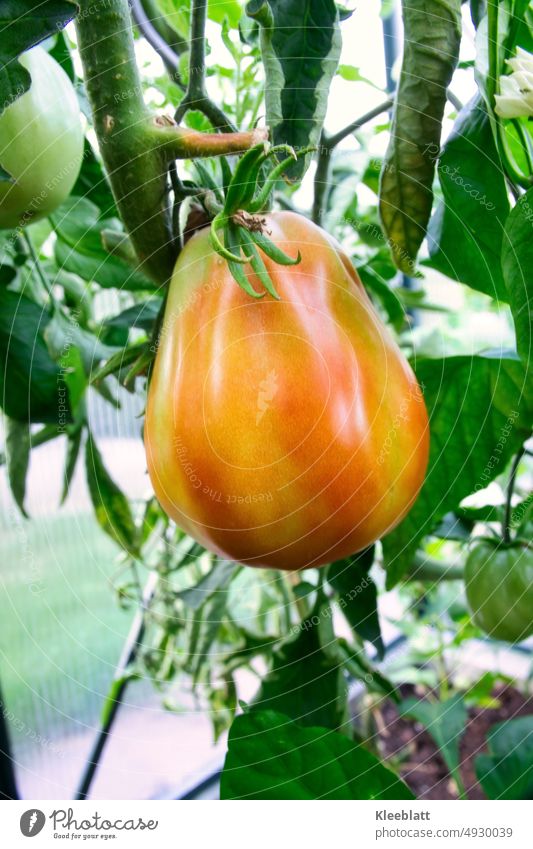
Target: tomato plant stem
136,146
196,96
426,568
506,529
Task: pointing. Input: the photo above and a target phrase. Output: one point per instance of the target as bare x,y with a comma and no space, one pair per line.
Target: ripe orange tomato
282,433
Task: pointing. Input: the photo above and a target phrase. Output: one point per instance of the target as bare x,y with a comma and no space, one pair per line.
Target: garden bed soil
422,766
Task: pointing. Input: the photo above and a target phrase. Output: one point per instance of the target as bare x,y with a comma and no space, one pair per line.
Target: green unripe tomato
41,143
499,589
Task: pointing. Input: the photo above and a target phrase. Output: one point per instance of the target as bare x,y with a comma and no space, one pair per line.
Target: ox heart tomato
284,433
41,143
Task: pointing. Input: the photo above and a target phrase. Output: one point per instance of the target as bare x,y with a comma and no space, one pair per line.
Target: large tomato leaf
480,411
23,24
517,265
465,233
305,681
270,757
300,45
29,377
506,772
432,35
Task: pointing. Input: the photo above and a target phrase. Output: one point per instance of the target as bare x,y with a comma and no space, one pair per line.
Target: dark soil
418,760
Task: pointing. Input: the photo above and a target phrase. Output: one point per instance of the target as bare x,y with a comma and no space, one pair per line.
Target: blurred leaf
300,45
73,450
61,53
480,415
507,771
445,721
358,595
270,757
430,54
385,294
18,446
92,183
142,315
64,333
24,24
352,74
216,581
220,10
79,248
111,507
453,527
28,375
466,232
517,263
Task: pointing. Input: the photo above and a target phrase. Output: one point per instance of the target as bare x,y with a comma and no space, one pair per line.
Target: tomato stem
506,524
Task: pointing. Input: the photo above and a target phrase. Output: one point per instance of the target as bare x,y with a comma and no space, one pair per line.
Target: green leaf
142,315
61,53
23,24
221,10
111,507
479,415
300,45
444,721
465,234
206,627
73,450
63,334
507,771
432,34
79,248
216,581
305,682
517,265
350,580
28,374
270,757
18,446
386,295
92,183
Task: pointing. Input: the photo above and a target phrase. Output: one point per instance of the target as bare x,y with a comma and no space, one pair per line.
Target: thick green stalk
134,167
136,146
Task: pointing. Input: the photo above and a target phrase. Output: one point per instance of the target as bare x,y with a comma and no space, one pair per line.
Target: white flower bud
516,90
